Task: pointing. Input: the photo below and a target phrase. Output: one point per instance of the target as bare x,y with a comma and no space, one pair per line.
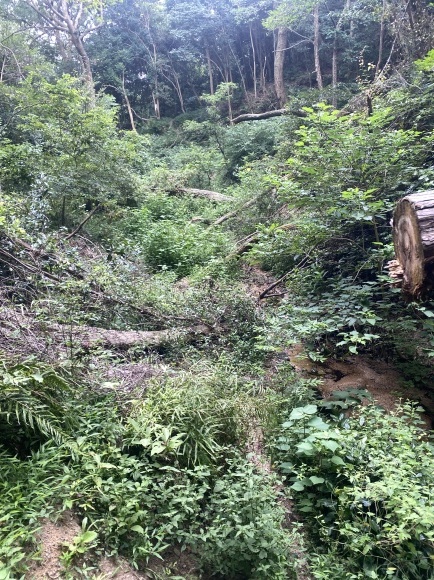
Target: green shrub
207,408
245,538
366,483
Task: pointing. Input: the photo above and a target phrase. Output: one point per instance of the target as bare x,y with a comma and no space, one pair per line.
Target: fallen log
17,325
246,243
211,195
413,237
88,336
234,213
267,115
258,116
84,222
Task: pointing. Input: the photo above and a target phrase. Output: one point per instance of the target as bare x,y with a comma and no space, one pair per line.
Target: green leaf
137,529
287,466
297,486
332,445
318,423
316,480
306,448
88,536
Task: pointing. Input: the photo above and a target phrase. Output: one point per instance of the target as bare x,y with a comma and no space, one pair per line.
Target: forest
212,364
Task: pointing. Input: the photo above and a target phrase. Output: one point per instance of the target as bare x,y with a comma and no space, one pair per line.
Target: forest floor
378,377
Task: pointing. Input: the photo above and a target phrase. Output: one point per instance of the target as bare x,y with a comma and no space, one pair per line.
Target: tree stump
413,237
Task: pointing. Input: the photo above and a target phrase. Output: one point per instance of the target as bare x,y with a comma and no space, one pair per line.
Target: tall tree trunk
127,102
316,44
338,28
381,41
77,42
210,75
335,70
254,61
279,61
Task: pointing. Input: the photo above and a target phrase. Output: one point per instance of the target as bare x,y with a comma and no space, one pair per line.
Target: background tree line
158,59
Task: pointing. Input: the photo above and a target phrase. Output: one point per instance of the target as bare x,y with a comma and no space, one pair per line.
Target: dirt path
380,378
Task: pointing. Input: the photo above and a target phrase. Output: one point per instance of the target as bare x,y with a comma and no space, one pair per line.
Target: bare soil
54,537
380,378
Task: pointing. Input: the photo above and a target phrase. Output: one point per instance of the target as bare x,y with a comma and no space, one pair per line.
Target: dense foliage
145,391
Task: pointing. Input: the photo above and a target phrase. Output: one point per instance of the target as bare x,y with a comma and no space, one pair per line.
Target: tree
64,152
72,19
289,14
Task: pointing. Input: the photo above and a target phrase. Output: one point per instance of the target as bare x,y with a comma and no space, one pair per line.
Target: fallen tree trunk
88,336
267,115
234,213
413,237
246,243
42,335
211,195
258,116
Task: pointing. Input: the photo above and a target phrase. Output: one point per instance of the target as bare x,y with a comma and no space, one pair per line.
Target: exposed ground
380,378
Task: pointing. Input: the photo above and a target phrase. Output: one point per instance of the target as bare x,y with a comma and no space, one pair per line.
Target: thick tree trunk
258,116
279,62
88,337
84,60
413,236
381,40
127,102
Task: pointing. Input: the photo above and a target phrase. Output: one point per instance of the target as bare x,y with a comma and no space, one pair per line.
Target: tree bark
210,74
338,28
381,41
127,102
58,17
279,62
254,62
258,116
316,45
413,236
88,336
211,195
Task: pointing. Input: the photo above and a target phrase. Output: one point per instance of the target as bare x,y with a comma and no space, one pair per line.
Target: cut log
41,335
234,213
413,237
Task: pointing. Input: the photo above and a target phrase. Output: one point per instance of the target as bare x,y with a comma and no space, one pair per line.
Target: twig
275,295
233,213
86,219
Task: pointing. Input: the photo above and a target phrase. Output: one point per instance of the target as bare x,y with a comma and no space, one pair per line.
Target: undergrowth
364,483
142,475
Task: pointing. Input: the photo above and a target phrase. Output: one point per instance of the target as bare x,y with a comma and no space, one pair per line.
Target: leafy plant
31,401
244,536
79,545
366,485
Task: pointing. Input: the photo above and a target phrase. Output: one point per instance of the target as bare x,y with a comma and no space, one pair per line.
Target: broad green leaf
305,447
332,445
297,486
137,529
88,536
